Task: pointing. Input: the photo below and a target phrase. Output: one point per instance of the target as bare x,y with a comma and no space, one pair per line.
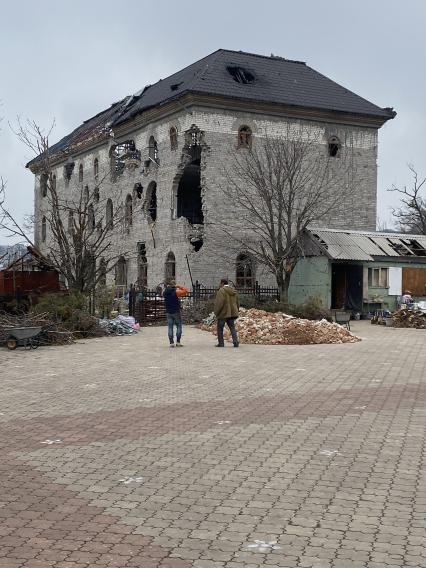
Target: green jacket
226,304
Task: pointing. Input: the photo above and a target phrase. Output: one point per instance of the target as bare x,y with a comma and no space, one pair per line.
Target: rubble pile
409,318
54,333
258,326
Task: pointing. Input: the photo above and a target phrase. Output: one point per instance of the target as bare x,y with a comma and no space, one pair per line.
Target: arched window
80,172
96,168
102,272
121,272
109,214
86,195
43,229
173,138
143,272
128,210
244,271
91,223
244,137
151,201
153,149
96,195
43,184
53,182
334,146
170,267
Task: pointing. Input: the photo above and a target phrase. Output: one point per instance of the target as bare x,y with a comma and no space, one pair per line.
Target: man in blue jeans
172,293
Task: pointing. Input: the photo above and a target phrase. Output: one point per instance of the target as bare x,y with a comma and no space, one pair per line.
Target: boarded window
414,279
121,272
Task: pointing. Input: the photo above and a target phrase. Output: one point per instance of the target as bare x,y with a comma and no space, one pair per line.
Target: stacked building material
258,326
409,318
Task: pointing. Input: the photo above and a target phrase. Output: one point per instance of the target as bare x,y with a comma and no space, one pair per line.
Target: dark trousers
174,320
230,322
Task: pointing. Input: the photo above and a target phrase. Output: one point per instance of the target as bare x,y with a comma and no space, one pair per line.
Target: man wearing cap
171,295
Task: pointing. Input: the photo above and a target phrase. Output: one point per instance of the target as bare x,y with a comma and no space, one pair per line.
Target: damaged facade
163,153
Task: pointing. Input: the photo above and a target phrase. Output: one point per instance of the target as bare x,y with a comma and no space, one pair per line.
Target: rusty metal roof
368,245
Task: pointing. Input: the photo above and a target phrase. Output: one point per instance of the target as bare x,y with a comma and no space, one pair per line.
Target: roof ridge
272,56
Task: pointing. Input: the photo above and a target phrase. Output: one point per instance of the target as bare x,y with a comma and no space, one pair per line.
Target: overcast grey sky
69,60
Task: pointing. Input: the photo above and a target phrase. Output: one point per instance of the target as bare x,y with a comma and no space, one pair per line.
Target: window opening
70,222
151,201
244,271
173,138
334,147
244,137
91,218
128,213
153,149
80,172
86,195
96,168
122,153
68,170
170,267
109,213
121,272
96,195
138,190
43,184
102,272
43,229
53,182
240,75
142,266
189,202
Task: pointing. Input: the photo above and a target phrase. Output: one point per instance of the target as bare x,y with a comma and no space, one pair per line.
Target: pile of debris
53,333
258,326
409,318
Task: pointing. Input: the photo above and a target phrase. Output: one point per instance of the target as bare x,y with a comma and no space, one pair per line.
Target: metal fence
147,306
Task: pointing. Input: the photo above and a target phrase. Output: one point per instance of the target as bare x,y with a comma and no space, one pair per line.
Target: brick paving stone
202,459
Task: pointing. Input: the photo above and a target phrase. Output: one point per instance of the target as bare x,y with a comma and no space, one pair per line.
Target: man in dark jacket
226,308
171,295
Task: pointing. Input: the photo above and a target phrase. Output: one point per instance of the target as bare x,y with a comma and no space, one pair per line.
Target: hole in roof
175,86
240,75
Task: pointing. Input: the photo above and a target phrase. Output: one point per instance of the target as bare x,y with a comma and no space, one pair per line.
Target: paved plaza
121,452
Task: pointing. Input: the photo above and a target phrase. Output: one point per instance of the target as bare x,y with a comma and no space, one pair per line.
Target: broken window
138,190
120,154
80,173
244,137
189,202
153,149
170,267
102,272
240,75
96,168
109,213
334,147
244,271
43,229
121,272
173,138
43,184
128,211
142,266
91,223
68,170
151,201
378,277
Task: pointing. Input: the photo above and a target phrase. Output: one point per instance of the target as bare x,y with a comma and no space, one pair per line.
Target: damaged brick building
164,150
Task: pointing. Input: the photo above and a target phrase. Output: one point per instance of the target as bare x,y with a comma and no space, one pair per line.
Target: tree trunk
283,284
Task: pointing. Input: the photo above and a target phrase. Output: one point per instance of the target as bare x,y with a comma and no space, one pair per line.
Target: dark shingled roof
270,79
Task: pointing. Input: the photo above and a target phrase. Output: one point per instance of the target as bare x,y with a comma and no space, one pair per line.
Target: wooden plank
414,280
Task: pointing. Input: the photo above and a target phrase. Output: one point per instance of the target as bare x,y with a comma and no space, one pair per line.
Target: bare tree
80,226
277,188
411,215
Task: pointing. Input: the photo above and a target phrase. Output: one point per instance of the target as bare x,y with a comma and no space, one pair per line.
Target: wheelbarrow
22,337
